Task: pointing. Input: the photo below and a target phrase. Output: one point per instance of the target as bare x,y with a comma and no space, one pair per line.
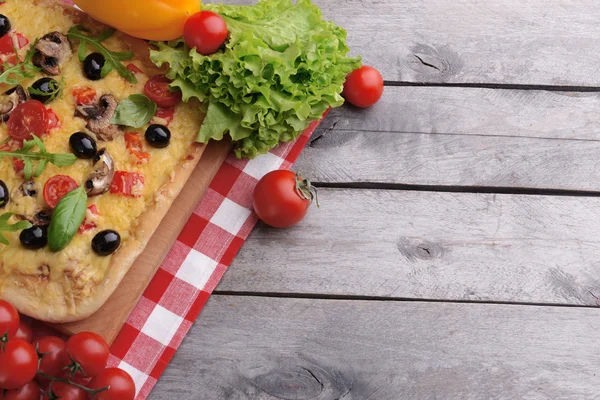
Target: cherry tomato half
9,319
54,357
26,119
363,87
30,391
157,90
206,31
24,331
90,351
278,202
120,382
57,187
64,391
18,364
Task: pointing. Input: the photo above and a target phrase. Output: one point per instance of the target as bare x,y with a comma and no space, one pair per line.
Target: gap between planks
318,296
498,86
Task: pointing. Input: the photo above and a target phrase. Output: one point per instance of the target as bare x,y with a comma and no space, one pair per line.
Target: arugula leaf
43,156
135,111
22,70
113,58
67,218
56,90
5,226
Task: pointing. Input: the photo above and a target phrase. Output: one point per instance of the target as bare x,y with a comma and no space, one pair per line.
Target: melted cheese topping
78,261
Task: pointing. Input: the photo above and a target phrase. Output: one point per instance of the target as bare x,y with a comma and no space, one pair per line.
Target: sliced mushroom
99,116
98,182
29,189
10,100
52,50
41,218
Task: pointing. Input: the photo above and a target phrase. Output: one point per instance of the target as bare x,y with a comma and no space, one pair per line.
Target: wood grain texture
537,42
462,137
276,349
428,245
107,322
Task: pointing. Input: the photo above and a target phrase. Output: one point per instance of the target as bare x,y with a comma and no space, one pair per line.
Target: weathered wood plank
472,41
474,111
268,349
429,245
463,137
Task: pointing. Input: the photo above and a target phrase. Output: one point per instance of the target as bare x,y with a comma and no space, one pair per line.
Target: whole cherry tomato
120,382
24,331
363,87
54,357
64,391
281,198
9,319
18,364
90,351
30,391
206,31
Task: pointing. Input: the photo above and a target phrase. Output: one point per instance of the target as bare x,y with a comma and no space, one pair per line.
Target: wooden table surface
456,253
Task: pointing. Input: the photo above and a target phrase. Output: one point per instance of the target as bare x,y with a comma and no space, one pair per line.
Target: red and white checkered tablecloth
205,248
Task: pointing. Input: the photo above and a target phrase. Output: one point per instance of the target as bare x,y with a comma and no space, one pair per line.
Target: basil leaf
67,218
135,111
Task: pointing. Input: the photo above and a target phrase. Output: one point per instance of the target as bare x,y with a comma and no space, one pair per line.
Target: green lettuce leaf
282,67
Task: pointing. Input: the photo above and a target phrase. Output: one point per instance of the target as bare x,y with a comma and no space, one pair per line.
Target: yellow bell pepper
144,19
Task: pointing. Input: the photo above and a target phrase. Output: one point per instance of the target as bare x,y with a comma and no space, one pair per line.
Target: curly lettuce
282,67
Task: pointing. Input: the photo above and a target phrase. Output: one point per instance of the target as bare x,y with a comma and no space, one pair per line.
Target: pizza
94,150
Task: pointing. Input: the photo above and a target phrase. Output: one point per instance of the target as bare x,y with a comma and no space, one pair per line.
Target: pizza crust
24,291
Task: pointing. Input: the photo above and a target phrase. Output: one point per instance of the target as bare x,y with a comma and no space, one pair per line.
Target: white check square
230,216
162,325
261,165
138,376
196,269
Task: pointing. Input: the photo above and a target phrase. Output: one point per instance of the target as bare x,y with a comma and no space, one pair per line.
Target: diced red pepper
7,44
18,165
128,184
135,145
84,95
88,225
53,121
166,114
12,145
133,68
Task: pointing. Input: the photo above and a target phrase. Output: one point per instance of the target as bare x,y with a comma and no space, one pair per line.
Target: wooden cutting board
107,322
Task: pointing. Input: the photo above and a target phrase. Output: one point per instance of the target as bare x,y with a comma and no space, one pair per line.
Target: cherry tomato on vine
157,90
281,198
30,391
120,382
9,319
363,87
54,357
24,331
18,364
206,31
90,351
64,391
26,119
